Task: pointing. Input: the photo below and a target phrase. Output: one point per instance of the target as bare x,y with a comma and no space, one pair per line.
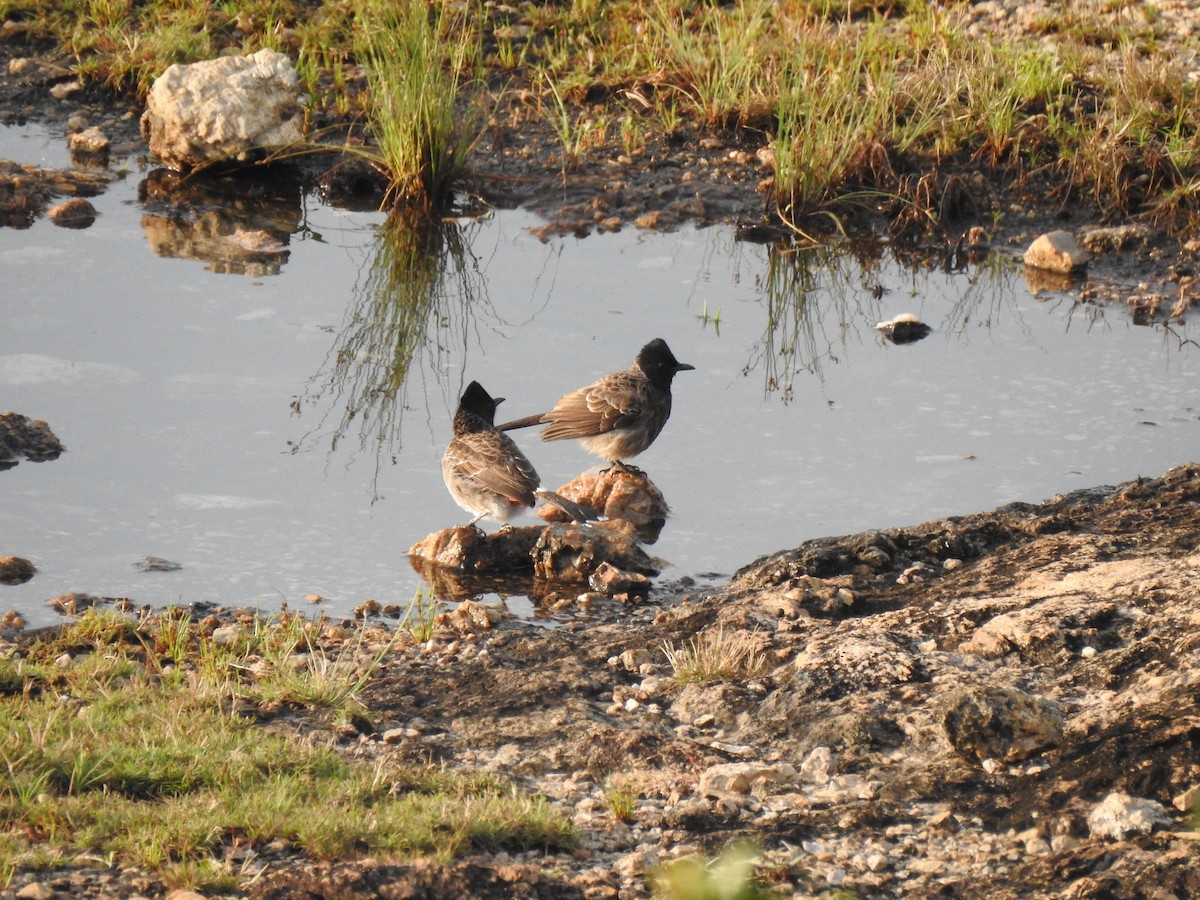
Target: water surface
249,421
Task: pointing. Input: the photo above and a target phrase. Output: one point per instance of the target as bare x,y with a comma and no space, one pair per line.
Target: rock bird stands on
485,472
620,415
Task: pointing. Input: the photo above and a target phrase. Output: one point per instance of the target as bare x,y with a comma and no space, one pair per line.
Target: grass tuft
717,655
425,93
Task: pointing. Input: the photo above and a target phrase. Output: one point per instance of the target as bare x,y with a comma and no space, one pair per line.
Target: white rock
1119,815
226,635
1056,251
819,766
229,108
741,777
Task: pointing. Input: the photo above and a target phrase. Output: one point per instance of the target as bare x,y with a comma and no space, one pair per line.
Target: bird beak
683,367
497,400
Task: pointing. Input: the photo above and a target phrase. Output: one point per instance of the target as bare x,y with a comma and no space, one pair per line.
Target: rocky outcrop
990,706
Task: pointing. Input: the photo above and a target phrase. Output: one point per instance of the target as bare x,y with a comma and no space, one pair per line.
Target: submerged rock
574,552
903,329
74,213
89,147
156,564
561,553
467,549
23,437
15,570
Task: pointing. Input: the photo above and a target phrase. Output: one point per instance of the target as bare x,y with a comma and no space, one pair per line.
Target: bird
485,471
618,416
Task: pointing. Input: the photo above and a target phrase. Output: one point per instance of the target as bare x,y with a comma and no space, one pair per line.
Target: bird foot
622,467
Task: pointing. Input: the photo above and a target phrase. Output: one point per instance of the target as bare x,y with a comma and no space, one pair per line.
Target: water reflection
802,336
235,225
817,300
417,295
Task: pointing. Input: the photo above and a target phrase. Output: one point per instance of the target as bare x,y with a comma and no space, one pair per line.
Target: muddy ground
994,706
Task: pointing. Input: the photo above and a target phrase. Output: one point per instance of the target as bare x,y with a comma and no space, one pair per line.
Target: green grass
729,876
426,104
853,96
113,758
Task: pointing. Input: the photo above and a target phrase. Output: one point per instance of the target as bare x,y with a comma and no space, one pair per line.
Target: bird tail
579,512
535,419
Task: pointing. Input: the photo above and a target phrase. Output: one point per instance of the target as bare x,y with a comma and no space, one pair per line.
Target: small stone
227,635
90,142
819,766
1119,815
611,580
1188,800
648,221
15,570
156,564
35,891
65,89
903,329
633,660
1002,725
1056,251
74,213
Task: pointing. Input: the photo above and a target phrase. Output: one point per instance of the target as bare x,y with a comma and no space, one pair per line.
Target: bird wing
495,463
615,401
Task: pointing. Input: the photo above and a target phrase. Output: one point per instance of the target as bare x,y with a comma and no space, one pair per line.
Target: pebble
35,891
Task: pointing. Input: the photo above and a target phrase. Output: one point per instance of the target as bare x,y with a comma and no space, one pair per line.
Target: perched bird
620,415
485,472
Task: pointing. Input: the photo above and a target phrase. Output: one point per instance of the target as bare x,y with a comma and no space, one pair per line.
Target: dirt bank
936,710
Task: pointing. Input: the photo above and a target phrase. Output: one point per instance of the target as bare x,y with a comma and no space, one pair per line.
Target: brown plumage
620,415
485,472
